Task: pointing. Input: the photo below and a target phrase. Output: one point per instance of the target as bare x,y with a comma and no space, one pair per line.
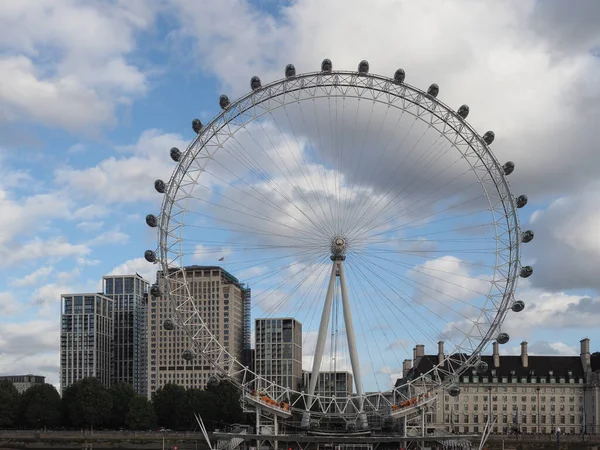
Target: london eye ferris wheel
361,206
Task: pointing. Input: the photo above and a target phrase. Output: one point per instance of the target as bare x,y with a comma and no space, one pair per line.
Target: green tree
41,406
227,404
171,406
204,403
141,414
122,395
90,404
9,404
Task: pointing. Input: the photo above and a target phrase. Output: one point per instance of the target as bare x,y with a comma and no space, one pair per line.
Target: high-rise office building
219,297
329,383
86,338
130,339
24,382
278,356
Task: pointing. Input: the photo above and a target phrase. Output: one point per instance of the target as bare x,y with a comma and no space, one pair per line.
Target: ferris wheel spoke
264,201
360,208
295,185
303,279
424,286
393,305
268,179
399,196
380,315
411,209
353,174
430,269
389,186
307,178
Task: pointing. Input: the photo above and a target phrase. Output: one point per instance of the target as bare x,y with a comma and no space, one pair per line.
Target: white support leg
258,428
314,377
275,432
352,344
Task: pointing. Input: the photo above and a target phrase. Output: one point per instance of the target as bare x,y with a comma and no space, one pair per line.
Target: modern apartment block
24,382
278,356
86,338
130,340
526,393
329,384
219,296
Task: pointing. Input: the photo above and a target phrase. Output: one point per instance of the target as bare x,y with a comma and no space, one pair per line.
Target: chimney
419,353
406,366
496,355
414,357
585,354
524,355
440,352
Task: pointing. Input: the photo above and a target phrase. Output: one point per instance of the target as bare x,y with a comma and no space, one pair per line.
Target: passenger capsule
454,391
150,256
197,125
489,137
433,90
363,66
326,65
213,381
224,101
255,83
527,236
188,355
155,291
160,186
169,325
481,367
399,76
508,167
151,220
518,306
503,338
175,154
521,201
526,271
290,71
463,111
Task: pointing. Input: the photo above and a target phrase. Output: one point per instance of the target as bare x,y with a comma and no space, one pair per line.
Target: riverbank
115,440
101,440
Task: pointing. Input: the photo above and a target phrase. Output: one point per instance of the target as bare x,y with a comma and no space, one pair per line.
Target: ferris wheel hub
338,248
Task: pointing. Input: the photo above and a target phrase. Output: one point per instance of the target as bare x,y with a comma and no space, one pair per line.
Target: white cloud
112,237
89,212
8,304
137,265
125,179
34,277
30,347
565,253
57,80
22,216
90,226
498,66
53,249
543,348
446,280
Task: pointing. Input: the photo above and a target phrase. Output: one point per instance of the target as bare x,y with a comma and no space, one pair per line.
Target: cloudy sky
94,94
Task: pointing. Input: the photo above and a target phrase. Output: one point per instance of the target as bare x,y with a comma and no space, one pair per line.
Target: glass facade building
86,338
130,337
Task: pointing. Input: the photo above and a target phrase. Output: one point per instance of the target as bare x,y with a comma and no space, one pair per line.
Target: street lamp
558,438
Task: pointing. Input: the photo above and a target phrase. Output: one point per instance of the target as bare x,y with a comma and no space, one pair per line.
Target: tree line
88,404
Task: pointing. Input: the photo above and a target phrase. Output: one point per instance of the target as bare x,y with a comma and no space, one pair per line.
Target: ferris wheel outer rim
510,209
